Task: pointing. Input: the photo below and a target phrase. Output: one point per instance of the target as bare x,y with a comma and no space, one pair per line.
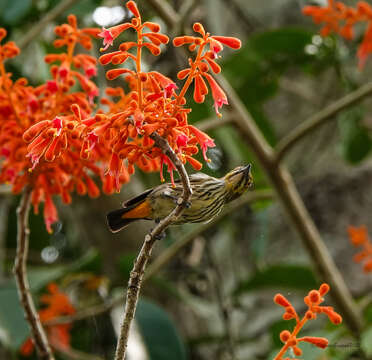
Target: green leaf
284,44
286,276
13,327
159,333
366,341
125,264
12,11
356,142
277,327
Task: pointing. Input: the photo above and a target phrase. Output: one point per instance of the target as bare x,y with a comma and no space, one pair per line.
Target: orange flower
109,35
339,18
359,238
313,301
56,131
57,304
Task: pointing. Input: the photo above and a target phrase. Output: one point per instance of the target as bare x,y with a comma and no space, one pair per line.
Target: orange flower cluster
152,103
70,140
359,238
313,301
57,304
51,163
340,18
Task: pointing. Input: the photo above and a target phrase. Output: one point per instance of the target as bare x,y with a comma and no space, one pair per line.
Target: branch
73,354
298,215
170,252
321,118
20,271
214,122
165,257
137,273
291,200
40,26
166,12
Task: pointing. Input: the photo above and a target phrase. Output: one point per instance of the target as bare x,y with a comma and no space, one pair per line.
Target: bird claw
161,236
186,204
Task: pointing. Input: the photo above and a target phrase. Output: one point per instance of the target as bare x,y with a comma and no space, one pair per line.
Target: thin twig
298,215
166,12
165,257
250,22
83,314
321,118
20,271
170,252
40,25
137,273
213,123
73,354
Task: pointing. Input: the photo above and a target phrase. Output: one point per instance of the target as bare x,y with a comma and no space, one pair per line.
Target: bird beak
246,169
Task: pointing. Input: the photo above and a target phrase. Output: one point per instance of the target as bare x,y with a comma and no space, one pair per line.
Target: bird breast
206,201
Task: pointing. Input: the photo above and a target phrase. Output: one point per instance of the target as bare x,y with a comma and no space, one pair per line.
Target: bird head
238,181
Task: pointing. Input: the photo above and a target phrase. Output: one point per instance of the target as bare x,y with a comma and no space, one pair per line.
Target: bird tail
134,209
116,221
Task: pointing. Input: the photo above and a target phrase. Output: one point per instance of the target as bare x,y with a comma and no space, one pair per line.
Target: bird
209,195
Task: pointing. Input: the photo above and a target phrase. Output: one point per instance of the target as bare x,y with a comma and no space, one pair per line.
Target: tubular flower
359,238
200,67
50,163
55,139
313,301
153,104
340,18
56,304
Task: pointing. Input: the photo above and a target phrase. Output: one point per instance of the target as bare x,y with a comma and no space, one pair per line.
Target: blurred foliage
284,276
159,333
356,140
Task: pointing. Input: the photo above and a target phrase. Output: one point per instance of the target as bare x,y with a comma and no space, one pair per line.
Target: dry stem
321,118
137,273
20,271
40,25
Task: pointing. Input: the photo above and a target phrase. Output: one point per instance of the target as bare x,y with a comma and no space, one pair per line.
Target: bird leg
162,235
167,195
180,202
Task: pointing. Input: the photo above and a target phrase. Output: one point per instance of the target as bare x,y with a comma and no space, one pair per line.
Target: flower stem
138,67
191,75
295,331
20,272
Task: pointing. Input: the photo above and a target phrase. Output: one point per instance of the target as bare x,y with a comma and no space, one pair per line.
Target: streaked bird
209,196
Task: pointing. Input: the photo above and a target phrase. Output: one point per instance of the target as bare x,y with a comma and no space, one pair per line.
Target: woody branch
138,271
20,271
293,204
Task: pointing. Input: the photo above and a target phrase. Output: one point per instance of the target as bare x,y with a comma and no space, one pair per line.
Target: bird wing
137,199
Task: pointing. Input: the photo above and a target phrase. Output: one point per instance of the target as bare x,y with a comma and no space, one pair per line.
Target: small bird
209,195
